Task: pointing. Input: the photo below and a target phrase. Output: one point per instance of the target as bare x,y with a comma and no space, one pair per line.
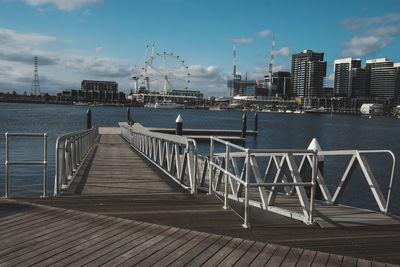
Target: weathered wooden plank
50,237
306,259
292,257
264,255
195,251
50,252
363,263
334,260
349,261
237,253
138,242
223,252
251,254
279,256
171,248
320,259
182,249
89,250
203,256
138,258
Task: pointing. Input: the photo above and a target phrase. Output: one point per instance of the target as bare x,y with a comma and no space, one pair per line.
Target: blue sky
103,39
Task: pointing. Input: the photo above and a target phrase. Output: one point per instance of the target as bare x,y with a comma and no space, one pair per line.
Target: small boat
168,105
80,104
320,110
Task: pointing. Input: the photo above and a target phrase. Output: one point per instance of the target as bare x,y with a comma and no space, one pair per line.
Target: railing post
255,122
246,193
7,184
226,177
210,169
313,186
88,119
244,122
45,166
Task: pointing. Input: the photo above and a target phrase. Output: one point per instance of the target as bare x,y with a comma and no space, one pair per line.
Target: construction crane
271,65
234,59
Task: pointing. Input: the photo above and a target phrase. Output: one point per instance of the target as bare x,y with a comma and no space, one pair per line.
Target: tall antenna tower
35,90
271,65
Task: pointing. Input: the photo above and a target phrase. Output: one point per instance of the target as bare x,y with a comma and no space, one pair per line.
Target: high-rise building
385,82
308,72
378,63
359,82
343,84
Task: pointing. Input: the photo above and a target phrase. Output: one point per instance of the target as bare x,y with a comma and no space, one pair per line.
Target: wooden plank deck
61,237
116,182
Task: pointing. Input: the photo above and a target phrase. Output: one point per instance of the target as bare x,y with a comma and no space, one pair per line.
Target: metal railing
224,170
19,163
173,154
359,156
227,167
71,151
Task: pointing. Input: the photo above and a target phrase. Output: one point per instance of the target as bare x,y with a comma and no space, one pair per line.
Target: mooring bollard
128,111
255,122
179,125
89,119
307,169
244,122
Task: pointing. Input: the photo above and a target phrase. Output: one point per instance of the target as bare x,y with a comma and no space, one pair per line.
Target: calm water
276,130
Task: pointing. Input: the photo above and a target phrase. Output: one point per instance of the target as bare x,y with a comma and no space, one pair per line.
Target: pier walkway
122,210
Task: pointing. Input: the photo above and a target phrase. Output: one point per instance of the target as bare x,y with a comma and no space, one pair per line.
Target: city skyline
100,39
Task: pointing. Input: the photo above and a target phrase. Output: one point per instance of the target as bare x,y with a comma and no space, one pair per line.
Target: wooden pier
123,210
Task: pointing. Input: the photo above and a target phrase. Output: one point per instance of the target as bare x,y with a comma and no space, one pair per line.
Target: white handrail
250,163
165,152
71,151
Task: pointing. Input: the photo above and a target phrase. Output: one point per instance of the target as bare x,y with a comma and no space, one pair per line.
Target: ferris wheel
165,72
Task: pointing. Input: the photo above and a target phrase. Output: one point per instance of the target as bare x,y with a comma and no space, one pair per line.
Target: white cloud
358,23
283,52
10,38
66,5
210,80
365,45
17,51
331,77
99,49
373,34
264,33
243,40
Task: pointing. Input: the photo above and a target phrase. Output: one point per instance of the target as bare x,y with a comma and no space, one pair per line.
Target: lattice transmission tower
35,90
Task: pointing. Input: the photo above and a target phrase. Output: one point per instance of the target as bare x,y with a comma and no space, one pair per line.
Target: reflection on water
276,130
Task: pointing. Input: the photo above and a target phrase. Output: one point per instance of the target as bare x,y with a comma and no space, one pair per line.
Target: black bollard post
244,122
255,122
128,111
179,125
89,119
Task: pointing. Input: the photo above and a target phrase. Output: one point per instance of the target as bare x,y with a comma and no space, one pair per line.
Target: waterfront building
99,86
343,83
385,82
280,83
308,72
237,86
94,91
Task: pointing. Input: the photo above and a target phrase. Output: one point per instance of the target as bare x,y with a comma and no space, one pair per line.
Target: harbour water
276,130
